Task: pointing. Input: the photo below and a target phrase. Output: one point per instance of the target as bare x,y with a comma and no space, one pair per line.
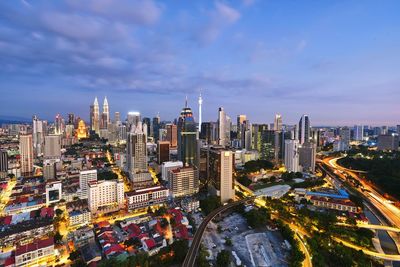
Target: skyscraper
133,119
147,121
95,117
37,135
106,110
223,128
239,127
292,155
358,132
172,135
304,129
156,127
183,181
307,155
136,149
278,122
200,118
187,137
117,117
162,151
220,172
58,125
71,118
26,152
3,163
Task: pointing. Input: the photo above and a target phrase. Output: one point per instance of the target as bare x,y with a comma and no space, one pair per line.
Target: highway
190,258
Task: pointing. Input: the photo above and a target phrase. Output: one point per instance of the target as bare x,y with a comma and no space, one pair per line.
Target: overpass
190,258
373,227
389,257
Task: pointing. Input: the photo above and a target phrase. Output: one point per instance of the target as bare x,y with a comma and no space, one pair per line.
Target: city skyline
251,57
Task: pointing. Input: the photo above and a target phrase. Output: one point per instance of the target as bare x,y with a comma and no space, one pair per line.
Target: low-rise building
143,198
34,252
335,204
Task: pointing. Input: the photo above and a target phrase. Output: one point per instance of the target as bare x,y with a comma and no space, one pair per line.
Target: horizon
251,57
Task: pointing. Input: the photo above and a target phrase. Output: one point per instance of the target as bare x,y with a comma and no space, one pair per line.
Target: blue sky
338,61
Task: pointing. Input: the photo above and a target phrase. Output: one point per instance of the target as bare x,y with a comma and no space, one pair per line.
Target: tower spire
186,101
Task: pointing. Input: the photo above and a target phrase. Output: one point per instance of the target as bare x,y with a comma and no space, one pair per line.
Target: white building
358,132
167,166
85,177
292,155
147,197
32,253
183,181
53,192
105,196
26,152
77,217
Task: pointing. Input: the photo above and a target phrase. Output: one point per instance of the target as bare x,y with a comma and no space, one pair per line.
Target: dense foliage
256,165
209,204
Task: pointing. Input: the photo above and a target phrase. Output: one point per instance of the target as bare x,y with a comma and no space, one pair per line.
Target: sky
337,61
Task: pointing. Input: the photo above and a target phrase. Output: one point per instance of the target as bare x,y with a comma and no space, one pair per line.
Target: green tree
223,258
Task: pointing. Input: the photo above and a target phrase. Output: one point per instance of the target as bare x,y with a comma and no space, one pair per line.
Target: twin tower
99,121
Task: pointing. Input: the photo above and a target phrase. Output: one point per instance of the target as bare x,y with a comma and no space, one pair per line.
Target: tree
257,217
244,181
223,258
161,211
74,255
201,260
180,248
59,212
228,241
209,204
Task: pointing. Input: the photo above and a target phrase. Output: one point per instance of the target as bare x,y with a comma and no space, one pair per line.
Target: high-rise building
26,152
162,151
304,129
398,129
132,119
49,170
37,135
358,132
220,164
172,135
167,166
292,155
344,134
105,196
86,177
388,142
187,138
156,127
106,112
200,115
3,163
183,181
278,122
59,125
223,128
147,121
209,132
71,118
95,117
117,117
239,127
136,149
307,155
52,147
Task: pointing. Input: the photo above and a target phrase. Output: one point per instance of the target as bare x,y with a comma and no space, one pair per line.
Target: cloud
219,18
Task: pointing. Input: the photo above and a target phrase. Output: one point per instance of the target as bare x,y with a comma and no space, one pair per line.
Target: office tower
167,166
162,151
183,181
86,177
247,135
358,132
156,127
69,131
223,128
58,125
122,132
316,137
307,155
388,142
266,148
172,135
95,116
209,132
220,164
3,163
71,118
105,196
278,122
187,137
26,152
136,149
133,119
37,135
117,117
304,129
292,155
106,111
385,130
200,118
147,121
52,147
344,133
398,129
103,122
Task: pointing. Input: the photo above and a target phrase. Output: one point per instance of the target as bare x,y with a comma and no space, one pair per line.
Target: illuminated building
303,131
38,132
292,155
26,152
307,156
132,119
162,151
200,115
29,254
146,197
95,117
156,127
81,131
183,181
278,122
84,178
105,196
52,147
187,137
105,118
172,135
388,142
223,128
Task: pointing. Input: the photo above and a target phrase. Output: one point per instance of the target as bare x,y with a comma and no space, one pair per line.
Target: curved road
192,253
